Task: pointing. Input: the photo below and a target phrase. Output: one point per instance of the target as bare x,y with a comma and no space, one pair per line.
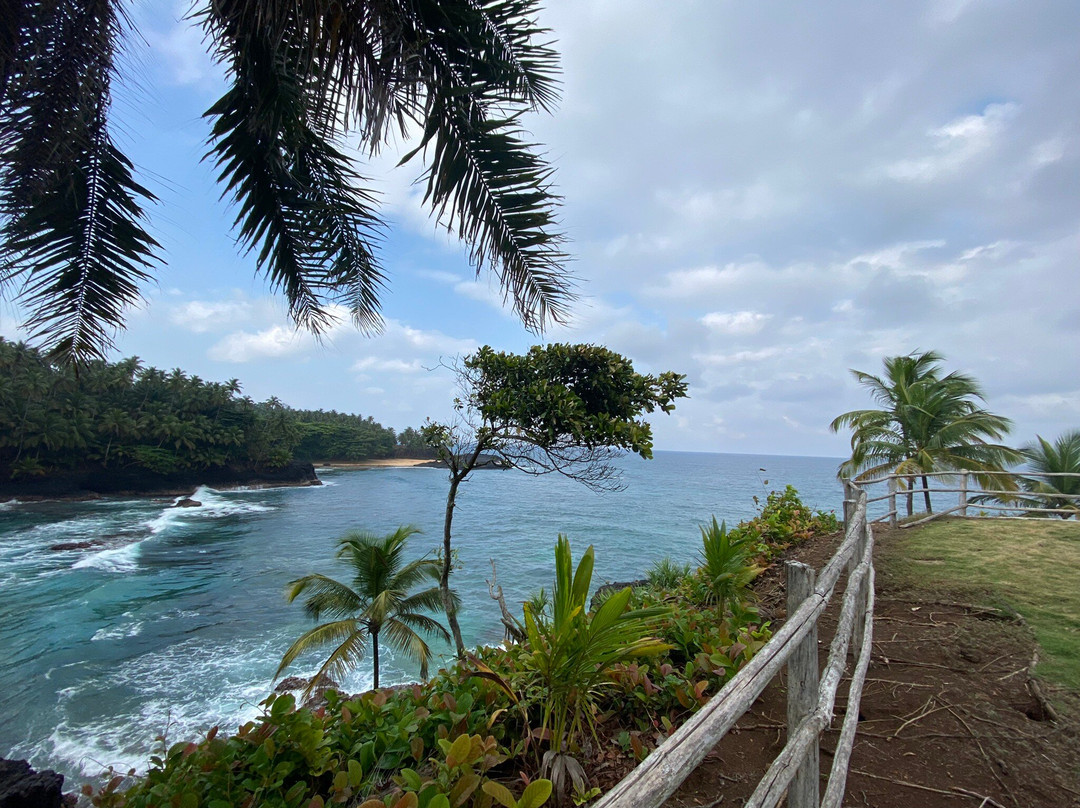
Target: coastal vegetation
379,602
115,418
512,726
309,87
927,422
1051,478
566,409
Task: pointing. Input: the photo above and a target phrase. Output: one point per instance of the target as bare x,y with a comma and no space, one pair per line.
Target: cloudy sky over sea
758,195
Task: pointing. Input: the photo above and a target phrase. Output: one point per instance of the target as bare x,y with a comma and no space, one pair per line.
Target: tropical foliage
567,409
341,436
571,652
617,680
378,603
312,87
1061,493
928,421
727,565
784,521
115,416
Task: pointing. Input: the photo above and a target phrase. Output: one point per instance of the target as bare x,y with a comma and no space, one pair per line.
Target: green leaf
536,794
459,751
500,793
356,773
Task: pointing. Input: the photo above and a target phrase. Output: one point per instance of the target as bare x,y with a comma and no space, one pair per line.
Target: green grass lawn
1031,567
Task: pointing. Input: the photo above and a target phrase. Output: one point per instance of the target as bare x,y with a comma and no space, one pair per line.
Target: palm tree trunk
375,657
926,494
444,577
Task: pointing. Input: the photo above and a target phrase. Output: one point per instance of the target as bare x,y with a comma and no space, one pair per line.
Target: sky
761,196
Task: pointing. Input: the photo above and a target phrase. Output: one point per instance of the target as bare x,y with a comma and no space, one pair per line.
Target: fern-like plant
727,565
667,574
571,653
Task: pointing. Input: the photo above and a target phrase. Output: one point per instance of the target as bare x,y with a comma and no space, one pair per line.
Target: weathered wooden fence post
849,502
860,603
963,493
892,500
803,673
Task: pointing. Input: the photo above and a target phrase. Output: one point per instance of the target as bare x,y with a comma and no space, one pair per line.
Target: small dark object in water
75,545
188,502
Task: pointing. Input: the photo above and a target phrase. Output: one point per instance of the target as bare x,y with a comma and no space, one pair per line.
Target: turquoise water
174,620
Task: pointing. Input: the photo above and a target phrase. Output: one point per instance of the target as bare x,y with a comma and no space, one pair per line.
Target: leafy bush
785,521
667,574
342,753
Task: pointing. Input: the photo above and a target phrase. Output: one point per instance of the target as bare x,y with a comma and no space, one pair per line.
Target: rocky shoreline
84,484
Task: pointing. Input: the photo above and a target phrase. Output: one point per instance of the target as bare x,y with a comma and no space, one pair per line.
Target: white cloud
371,363
955,145
182,47
271,343
736,322
201,316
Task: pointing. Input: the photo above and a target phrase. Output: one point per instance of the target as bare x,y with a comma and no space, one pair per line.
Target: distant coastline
92,483
485,461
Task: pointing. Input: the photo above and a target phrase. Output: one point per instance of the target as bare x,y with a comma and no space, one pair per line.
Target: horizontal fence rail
811,699
1016,494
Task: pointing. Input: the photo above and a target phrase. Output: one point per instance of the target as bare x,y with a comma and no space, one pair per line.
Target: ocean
125,621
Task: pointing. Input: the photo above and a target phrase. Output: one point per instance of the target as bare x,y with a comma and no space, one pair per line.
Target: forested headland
122,426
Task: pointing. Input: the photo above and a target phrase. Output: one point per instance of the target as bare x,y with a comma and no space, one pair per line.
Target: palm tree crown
927,422
379,603
306,77
1060,457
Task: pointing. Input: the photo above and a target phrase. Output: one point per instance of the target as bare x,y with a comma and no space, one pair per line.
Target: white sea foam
114,559
9,504
119,632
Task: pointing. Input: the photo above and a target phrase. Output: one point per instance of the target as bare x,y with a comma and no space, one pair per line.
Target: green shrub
785,521
727,566
667,574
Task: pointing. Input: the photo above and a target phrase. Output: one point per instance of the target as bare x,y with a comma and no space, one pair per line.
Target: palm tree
378,603
928,422
1060,457
307,77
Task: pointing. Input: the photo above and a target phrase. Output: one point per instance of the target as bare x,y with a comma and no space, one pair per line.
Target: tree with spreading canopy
566,409
927,422
313,85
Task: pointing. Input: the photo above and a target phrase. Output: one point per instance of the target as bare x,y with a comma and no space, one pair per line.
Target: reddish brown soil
947,718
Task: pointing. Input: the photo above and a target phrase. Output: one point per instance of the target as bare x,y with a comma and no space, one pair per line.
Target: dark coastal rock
89,482
22,787
607,589
75,545
188,502
324,682
483,462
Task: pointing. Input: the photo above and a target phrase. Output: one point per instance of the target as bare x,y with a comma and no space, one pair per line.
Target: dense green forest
122,415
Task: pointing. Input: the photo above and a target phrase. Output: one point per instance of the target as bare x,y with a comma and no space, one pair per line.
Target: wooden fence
811,698
1011,496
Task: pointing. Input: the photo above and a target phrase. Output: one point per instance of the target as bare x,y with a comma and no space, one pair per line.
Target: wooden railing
936,482
811,698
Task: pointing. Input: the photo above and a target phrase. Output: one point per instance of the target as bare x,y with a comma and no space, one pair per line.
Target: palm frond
429,600
299,198
72,211
351,637
406,640
324,596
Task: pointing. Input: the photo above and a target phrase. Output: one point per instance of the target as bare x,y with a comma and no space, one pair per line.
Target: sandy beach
396,462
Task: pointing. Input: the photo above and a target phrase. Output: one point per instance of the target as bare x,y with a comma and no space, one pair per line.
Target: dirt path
947,719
